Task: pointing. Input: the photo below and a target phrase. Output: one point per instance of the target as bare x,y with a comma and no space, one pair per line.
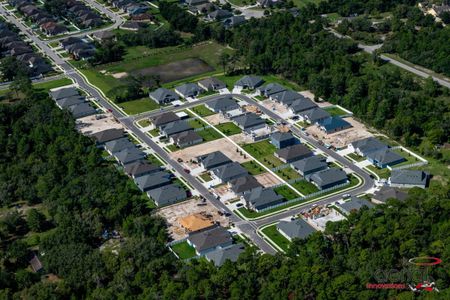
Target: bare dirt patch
267,179
216,119
174,212
176,70
342,138
120,75
96,123
222,145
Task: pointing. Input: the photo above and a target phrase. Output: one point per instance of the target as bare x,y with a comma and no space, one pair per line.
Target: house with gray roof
282,139
408,178
164,119
270,89
129,155
333,124
233,21
64,103
174,128
168,194
228,172
163,96
352,205
219,14
385,157
64,93
107,135
186,139
249,82
221,255
222,104
310,165
118,145
386,193
367,145
152,181
243,184
249,122
81,110
261,198
315,115
293,153
213,160
296,229
211,84
329,178
286,97
140,168
195,2
188,90
208,240
302,105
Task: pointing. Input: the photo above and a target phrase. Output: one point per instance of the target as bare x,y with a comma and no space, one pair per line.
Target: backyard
209,134
184,250
263,151
286,192
253,168
228,128
202,111
288,173
305,187
335,111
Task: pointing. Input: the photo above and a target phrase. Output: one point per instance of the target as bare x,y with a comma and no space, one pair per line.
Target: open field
277,238
228,128
138,106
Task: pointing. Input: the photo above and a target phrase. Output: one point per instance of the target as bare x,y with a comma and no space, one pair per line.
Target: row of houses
131,7
79,48
70,99
213,12
12,45
81,15
36,14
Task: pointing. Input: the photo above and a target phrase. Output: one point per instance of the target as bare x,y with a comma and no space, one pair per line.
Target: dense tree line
178,18
421,41
356,7
151,38
44,161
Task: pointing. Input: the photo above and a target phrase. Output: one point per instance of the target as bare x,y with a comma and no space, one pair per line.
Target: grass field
206,177
228,128
303,3
277,238
263,151
202,111
138,106
230,80
305,187
196,123
184,250
409,158
288,173
382,173
209,134
253,168
335,111
45,86
286,192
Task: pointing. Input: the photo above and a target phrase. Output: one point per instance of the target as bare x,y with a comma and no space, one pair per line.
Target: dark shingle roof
222,104
259,197
212,83
295,229
271,88
386,193
108,135
211,238
167,194
413,177
248,120
129,155
153,180
188,89
64,93
140,167
250,81
333,123
186,137
286,97
310,163
281,136
293,152
213,159
385,156
69,101
354,204
230,170
368,145
162,93
316,114
243,184
219,256
165,118
176,127
118,145
329,176
81,110
300,105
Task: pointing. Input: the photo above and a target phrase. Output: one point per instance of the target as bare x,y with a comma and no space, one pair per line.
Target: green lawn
154,132
335,111
46,86
138,106
154,160
172,148
356,157
184,250
305,187
288,173
209,134
202,111
144,123
260,149
253,168
277,238
206,177
303,3
228,128
409,158
382,173
196,123
286,192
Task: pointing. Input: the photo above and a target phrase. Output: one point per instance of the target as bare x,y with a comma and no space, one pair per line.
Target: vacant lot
92,124
202,111
176,70
267,179
138,106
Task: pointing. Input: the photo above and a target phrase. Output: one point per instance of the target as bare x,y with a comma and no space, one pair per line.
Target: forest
46,165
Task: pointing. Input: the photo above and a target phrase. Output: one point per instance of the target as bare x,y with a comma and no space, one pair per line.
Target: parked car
239,205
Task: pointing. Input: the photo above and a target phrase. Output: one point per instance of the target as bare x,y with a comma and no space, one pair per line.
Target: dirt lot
93,124
216,119
342,138
217,145
174,212
176,70
267,179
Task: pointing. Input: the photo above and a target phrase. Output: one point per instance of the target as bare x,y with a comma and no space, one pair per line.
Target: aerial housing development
202,149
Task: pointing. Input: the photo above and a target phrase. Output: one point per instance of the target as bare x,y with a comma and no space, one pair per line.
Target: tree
224,61
35,220
21,83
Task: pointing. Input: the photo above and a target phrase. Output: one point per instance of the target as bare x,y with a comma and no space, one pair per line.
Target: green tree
36,220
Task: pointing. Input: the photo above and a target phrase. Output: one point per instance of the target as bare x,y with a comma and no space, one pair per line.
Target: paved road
247,227
414,70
